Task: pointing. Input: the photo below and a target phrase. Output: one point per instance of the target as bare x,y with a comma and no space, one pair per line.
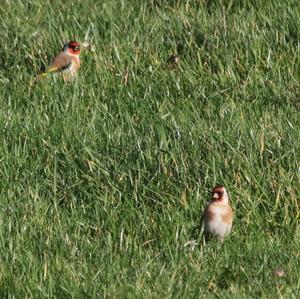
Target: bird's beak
215,196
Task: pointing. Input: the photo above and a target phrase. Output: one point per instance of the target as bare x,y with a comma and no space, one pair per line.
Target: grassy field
103,181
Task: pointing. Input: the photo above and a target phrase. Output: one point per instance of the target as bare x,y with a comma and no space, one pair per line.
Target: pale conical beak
215,196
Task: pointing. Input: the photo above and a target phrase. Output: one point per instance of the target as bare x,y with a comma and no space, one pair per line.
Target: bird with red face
67,62
218,215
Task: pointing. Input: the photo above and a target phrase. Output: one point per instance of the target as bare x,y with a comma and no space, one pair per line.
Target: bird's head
220,195
72,48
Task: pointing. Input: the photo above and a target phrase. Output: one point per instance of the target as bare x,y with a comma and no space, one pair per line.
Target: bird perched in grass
218,215
173,61
66,62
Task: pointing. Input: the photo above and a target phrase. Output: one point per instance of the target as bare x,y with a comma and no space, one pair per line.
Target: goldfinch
67,62
218,215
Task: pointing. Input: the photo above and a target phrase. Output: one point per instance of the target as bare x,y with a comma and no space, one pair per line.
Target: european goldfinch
218,215
66,62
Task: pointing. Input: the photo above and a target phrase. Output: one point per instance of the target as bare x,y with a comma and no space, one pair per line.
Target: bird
173,61
218,215
67,62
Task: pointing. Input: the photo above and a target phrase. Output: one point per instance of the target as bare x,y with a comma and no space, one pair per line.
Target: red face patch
217,193
74,47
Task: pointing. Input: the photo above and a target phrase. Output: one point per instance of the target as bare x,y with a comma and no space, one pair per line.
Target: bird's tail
41,76
47,72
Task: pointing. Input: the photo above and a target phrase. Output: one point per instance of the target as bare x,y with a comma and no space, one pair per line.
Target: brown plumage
218,215
67,61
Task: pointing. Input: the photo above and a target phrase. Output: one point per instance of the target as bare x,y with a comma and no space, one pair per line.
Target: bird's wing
60,62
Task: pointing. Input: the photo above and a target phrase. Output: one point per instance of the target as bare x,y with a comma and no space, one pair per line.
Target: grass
102,183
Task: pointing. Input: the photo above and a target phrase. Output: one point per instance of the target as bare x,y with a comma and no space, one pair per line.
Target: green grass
102,183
